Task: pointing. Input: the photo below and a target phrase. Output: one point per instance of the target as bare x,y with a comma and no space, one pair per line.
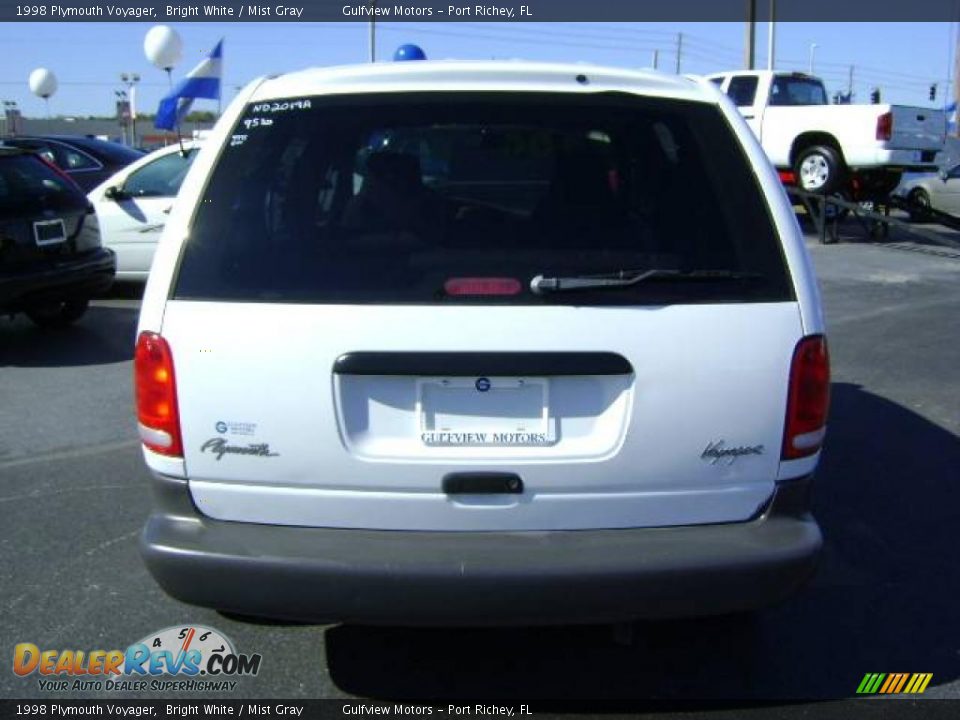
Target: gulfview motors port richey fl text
365,11
477,710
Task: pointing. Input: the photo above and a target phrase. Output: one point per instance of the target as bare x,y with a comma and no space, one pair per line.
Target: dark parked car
51,259
87,160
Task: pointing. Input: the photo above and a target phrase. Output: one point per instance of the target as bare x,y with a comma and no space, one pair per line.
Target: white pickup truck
858,149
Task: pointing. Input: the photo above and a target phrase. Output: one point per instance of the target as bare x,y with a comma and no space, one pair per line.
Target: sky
902,59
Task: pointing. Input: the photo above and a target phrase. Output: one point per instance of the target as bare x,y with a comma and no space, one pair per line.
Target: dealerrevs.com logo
179,658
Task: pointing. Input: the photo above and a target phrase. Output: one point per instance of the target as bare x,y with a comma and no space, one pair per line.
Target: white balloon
163,46
43,83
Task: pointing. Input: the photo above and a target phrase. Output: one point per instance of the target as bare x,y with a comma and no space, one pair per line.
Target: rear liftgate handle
482,483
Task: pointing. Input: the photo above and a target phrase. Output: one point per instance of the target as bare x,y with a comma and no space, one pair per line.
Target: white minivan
469,343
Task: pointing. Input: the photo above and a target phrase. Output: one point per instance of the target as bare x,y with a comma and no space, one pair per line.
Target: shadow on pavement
103,335
884,600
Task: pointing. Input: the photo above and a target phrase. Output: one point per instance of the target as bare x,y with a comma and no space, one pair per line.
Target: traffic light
933,92
875,96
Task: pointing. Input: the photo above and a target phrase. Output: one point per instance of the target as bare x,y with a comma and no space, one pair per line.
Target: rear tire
58,314
919,205
819,169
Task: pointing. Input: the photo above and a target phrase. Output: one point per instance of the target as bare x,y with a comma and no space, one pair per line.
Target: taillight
156,390
787,177
885,126
808,399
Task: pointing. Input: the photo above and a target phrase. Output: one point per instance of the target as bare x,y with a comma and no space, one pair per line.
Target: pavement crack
47,493
69,453
113,541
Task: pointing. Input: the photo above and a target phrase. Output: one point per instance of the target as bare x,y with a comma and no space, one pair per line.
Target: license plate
482,411
49,232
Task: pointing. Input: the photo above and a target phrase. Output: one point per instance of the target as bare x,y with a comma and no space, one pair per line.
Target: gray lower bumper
443,578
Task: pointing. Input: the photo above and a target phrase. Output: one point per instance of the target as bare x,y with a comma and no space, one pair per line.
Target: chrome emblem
717,451
482,384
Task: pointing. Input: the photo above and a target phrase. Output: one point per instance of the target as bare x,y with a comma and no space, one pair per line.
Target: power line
526,41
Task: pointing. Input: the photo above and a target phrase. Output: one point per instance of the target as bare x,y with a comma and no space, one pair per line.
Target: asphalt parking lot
73,493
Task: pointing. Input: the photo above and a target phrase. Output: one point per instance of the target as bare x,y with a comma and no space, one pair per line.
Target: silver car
932,191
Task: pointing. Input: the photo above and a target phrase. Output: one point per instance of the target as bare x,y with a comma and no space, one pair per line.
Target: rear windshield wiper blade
541,285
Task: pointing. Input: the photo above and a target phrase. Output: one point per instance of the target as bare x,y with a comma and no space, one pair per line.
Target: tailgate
279,428
916,128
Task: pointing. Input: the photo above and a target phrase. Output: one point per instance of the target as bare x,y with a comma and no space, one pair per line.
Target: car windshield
405,199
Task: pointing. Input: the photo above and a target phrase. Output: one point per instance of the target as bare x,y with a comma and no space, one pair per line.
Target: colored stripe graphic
901,682
894,683
891,680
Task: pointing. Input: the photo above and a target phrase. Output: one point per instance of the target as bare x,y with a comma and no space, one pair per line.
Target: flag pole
176,115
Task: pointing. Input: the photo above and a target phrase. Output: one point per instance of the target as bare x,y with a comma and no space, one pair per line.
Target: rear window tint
787,90
743,89
28,185
398,198
109,151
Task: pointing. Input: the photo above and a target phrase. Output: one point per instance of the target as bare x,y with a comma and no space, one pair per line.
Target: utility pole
656,59
373,31
772,35
679,50
751,32
955,31
850,85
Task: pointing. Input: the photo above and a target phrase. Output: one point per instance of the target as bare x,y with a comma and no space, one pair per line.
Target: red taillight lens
156,391
808,399
885,126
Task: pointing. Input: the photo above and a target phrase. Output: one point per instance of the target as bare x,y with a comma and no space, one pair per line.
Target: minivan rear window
466,197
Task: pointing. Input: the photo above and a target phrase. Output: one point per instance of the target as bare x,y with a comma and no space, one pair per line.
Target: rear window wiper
541,285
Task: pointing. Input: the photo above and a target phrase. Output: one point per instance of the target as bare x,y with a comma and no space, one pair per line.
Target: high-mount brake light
482,286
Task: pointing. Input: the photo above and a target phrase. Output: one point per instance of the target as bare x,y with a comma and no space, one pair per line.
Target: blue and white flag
201,82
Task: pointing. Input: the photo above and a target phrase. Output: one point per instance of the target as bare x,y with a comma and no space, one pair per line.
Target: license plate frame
521,419
43,236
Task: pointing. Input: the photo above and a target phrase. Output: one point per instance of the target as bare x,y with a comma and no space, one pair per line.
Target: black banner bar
166,11
351,709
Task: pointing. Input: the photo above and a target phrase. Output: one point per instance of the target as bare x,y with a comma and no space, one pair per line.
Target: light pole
813,50
130,81
11,116
122,110
772,36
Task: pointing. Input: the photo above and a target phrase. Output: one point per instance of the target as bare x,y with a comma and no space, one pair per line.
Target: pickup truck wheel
58,314
819,169
919,205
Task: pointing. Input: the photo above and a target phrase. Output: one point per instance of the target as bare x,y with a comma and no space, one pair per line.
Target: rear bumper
80,276
902,160
474,578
